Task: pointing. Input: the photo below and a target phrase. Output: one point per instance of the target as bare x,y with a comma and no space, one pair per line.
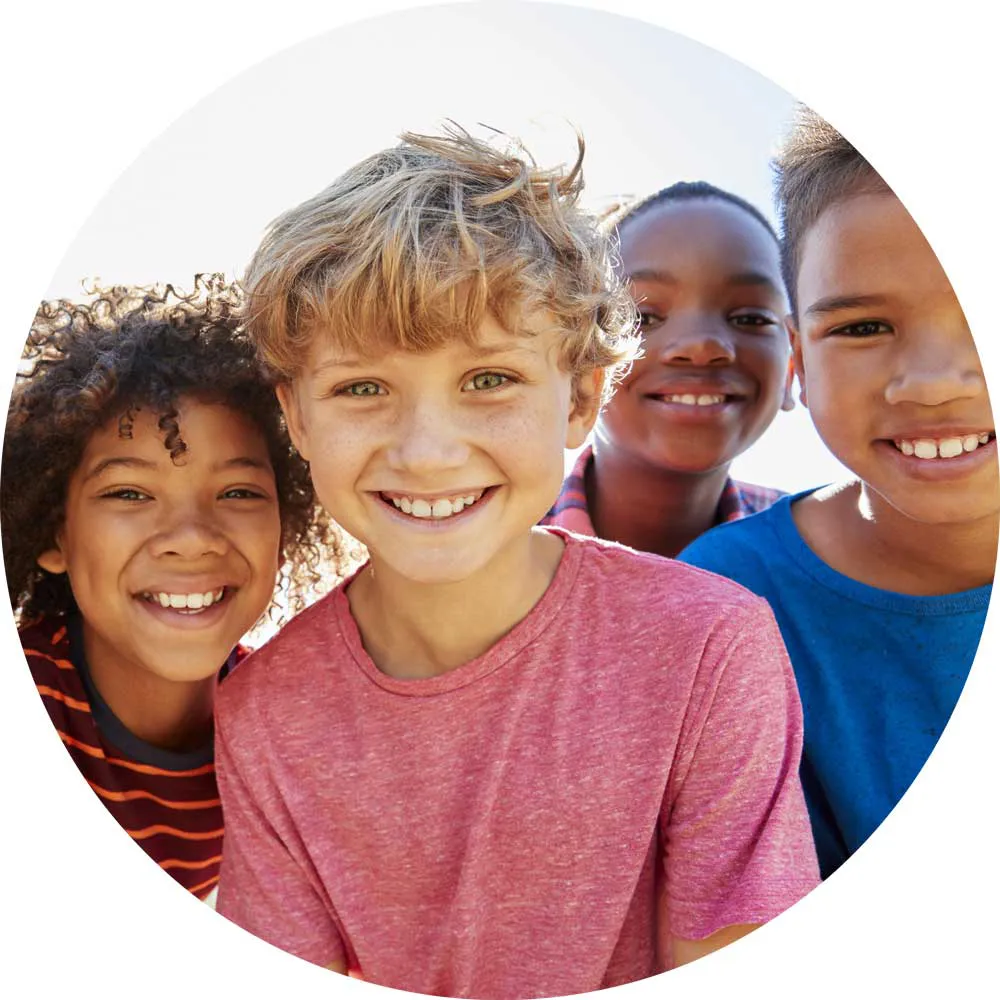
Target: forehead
699,231
211,431
868,244
538,334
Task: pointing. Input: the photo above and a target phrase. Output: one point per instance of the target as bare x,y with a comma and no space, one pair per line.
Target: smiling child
150,497
704,269
500,761
880,584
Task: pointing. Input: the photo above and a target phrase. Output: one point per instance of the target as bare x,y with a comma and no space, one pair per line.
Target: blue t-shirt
878,672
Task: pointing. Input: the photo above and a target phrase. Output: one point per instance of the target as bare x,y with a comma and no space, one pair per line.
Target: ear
796,361
587,391
52,560
288,399
788,399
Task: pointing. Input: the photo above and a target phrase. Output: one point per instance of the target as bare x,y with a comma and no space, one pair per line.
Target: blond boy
500,761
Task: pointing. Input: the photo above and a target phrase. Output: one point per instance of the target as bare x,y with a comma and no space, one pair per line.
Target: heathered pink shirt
620,768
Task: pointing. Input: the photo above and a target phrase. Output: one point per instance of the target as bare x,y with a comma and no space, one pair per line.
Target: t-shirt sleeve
737,841
266,884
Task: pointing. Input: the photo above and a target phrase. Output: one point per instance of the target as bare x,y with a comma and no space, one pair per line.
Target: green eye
486,380
363,389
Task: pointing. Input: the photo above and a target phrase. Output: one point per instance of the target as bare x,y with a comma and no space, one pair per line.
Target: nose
428,438
189,531
937,368
697,341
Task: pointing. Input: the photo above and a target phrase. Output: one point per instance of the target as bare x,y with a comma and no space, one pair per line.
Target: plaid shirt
570,509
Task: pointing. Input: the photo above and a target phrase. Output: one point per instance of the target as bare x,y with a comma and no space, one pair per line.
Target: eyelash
506,380
648,319
853,329
346,390
138,496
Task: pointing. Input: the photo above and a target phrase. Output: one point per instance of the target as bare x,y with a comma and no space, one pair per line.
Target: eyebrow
124,462
118,462
834,303
754,278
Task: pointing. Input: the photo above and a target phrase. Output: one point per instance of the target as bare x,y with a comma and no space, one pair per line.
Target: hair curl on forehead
412,247
816,167
86,364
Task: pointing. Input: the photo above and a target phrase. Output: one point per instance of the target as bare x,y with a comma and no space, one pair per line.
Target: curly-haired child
151,501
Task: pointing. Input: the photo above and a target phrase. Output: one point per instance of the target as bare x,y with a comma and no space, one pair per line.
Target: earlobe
288,400
52,561
587,391
788,399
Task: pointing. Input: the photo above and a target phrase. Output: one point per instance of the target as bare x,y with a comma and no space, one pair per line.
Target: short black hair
627,211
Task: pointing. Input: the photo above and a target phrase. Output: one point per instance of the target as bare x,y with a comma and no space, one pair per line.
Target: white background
88,87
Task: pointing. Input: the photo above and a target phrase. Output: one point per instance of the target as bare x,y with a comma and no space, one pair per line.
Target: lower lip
941,469
438,523
179,618
693,413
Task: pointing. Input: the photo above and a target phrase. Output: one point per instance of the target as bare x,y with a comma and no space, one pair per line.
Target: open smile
942,458
187,609
442,507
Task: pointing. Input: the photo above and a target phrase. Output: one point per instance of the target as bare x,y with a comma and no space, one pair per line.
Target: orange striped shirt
166,801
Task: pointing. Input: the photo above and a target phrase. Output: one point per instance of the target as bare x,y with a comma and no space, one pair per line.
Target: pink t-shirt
621,767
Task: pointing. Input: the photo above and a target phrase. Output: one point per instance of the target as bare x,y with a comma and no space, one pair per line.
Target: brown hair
127,348
411,247
815,168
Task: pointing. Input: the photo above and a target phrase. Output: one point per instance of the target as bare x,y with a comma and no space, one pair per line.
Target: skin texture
884,353
706,278
437,424
136,523
440,424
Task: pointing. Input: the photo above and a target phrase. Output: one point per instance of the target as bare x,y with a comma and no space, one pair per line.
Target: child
150,495
704,268
500,761
880,585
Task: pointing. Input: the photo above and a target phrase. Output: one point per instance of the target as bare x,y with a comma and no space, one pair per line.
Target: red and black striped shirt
166,801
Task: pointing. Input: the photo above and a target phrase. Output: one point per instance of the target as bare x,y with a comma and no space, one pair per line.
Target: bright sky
660,108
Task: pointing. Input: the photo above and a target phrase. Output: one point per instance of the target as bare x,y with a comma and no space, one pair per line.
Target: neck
862,536
413,631
172,715
648,508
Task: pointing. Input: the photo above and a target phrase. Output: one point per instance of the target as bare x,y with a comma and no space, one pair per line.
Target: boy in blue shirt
880,585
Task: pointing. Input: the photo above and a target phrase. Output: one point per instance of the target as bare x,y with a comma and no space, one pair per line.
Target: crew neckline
789,536
526,631
116,732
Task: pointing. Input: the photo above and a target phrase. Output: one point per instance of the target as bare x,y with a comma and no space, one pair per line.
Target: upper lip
437,495
938,432
699,386
203,585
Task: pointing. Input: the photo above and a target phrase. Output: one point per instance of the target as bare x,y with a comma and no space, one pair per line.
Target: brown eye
866,328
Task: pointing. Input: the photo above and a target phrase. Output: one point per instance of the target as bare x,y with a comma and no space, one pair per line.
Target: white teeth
951,447
186,602
438,508
689,399
441,508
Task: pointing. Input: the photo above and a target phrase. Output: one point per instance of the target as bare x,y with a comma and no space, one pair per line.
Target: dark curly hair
127,348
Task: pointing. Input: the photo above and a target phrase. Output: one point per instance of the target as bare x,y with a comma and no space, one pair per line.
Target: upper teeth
442,507
193,602
943,447
689,399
